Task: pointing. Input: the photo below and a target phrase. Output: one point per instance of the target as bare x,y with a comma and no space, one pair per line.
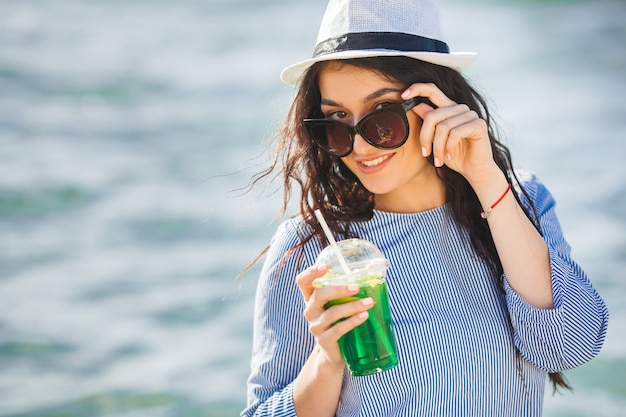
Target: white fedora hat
367,28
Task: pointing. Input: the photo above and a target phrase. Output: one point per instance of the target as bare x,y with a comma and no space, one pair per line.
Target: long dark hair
328,185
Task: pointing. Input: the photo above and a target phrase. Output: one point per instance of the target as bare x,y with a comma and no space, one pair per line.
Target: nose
361,146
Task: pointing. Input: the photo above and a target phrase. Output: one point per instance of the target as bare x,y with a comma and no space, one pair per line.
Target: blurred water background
124,126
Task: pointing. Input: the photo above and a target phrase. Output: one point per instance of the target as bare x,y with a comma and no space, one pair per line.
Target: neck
413,198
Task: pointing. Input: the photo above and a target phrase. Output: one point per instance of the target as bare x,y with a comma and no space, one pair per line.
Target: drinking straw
333,242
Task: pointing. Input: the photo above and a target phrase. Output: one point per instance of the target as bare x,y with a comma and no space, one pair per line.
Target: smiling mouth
375,162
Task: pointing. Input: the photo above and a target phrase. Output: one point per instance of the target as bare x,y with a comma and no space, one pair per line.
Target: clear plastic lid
363,259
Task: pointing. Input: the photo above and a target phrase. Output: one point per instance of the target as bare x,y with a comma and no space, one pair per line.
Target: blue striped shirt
465,347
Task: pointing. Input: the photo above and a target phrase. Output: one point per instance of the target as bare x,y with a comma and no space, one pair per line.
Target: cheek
350,164
415,125
413,144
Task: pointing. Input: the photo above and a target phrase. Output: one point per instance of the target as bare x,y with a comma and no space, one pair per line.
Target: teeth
374,162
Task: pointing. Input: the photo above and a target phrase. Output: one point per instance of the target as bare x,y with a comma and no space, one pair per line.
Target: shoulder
533,193
289,235
285,237
290,231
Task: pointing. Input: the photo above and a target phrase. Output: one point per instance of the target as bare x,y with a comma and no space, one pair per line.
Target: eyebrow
373,96
381,92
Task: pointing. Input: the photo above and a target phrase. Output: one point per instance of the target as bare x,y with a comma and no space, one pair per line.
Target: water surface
124,125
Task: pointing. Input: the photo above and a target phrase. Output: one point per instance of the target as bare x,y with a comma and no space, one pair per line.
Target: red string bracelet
484,214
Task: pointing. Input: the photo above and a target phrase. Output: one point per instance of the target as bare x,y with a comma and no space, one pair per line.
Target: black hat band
380,40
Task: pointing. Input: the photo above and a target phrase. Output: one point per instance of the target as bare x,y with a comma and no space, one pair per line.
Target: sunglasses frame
399,108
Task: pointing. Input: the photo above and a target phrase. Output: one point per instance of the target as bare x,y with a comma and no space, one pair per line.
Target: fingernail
363,315
424,152
367,301
449,156
405,94
321,267
437,162
353,287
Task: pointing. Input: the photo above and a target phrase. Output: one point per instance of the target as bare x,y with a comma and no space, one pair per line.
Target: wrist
490,188
325,364
485,176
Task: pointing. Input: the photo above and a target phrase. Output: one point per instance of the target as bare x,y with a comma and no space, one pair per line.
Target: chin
377,189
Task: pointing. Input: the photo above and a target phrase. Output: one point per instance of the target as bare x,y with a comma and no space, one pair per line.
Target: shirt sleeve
573,332
281,340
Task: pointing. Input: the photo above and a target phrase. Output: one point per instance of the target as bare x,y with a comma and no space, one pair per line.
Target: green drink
370,347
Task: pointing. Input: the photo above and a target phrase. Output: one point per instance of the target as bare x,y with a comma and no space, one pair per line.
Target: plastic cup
369,348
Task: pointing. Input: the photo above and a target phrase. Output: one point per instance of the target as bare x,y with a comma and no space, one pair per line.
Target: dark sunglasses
385,128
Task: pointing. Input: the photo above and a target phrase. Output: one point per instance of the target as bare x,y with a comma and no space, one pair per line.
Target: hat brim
458,61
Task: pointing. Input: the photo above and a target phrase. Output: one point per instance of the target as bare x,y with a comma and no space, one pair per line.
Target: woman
390,142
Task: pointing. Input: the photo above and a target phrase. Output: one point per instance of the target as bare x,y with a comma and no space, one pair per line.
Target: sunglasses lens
333,138
386,129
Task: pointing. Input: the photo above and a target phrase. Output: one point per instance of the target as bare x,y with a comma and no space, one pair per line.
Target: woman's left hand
454,134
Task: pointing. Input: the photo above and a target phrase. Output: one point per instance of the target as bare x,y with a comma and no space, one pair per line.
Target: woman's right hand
323,322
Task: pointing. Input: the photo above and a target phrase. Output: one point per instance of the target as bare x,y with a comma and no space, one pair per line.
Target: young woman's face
394,175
